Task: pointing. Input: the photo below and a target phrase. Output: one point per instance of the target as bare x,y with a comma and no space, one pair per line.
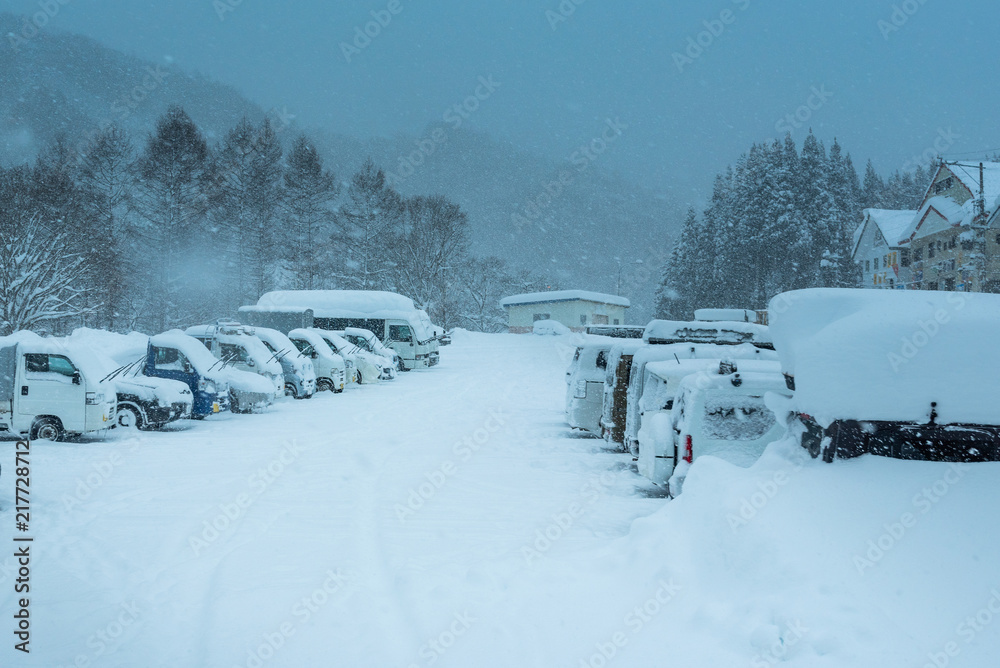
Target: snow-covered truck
332,371
176,356
300,374
902,374
393,318
241,352
585,385
51,389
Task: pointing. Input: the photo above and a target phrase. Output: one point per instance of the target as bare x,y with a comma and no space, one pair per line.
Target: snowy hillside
474,529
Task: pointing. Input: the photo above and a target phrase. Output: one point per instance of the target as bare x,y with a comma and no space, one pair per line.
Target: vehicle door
52,385
173,364
401,340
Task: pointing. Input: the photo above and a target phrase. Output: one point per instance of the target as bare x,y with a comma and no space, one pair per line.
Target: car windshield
736,418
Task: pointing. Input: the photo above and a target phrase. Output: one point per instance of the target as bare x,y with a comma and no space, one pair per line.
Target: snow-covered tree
41,280
367,226
310,192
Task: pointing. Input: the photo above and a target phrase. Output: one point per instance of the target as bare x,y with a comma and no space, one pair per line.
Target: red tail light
688,449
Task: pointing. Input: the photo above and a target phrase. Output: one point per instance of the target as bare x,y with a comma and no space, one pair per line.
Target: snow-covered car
333,372
176,356
298,369
239,349
145,402
368,368
719,411
585,386
676,352
370,343
903,374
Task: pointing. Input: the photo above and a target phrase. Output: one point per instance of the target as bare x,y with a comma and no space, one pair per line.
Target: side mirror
314,355
76,378
251,363
187,368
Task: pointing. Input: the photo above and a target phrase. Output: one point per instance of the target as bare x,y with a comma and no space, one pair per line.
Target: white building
573,308
877,248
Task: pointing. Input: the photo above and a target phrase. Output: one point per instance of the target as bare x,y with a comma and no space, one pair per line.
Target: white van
720,412
367,367
300,375
50,390
332,372
585,386
393,318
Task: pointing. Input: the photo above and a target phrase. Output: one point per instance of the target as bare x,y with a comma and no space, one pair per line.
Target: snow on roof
887,354
891,223
361,301
564,296
725,315
968,174
671,331
949,209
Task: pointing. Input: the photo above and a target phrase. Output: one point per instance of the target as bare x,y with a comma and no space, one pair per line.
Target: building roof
564,296
968,174
948,209
890,222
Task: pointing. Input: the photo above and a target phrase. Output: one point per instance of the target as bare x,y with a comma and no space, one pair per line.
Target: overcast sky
885,94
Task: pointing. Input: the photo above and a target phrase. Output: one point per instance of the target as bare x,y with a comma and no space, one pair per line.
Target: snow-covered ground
450,518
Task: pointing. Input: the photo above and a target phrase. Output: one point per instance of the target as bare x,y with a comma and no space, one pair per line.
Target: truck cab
50,390
176,356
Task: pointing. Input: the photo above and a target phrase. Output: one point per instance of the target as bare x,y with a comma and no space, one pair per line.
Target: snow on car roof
564,296
319,344
725,315
361,301
887,354
671,331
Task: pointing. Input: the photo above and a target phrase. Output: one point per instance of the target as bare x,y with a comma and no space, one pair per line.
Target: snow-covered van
585,385
50,389
176,356
676,352
718,332
903,374
719,410
332,372
368,342
615,400
368,368
239,348
393,318
300,375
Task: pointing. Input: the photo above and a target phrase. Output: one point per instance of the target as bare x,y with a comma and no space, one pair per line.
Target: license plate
215,407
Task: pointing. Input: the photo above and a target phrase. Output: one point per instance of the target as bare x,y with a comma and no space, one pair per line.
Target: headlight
207,386
95,398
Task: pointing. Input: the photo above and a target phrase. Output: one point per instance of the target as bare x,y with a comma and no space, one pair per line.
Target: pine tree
367,226
106,172
310,195
172,204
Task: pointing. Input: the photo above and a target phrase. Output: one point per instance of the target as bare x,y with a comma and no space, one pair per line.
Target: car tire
47,429
360,380
129,417
290,391
323,385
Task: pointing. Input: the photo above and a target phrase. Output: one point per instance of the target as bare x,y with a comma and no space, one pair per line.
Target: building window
951,265
968,244
949,284
583,320
876,264
918,254
541,316
904,257
930,251
617,322
868,265
885,260
998,239
932,285
954,241
943,184
892,284
600,319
